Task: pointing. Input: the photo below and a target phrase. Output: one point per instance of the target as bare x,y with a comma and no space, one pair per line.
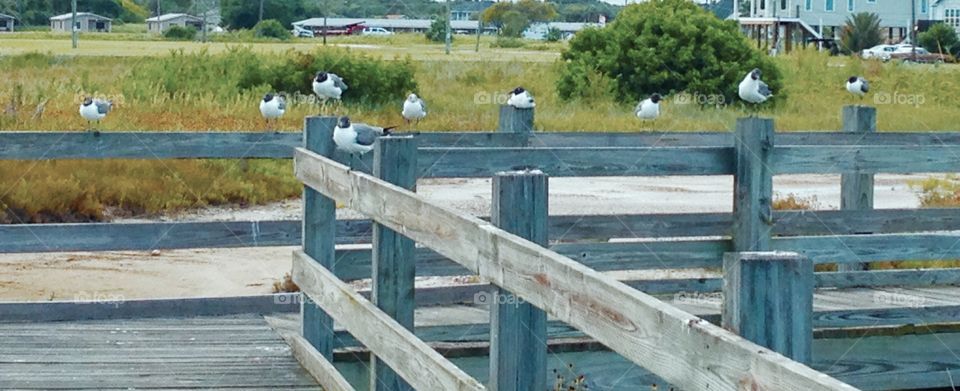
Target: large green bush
241,69
940,38
438,30
271,28
663,46
180,33
862,31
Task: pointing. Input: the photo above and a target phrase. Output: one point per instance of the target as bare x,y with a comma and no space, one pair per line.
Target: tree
513,18
862,31
271,28
940,38
245,14
662,46
438,30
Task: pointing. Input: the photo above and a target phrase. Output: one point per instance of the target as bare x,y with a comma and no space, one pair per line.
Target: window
923,6
808,5
952,17
828,6
850,5
783,4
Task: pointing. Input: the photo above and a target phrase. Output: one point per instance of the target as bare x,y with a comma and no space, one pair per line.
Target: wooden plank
147,308
768,299
394,260
856,190
903,278
753,185
872,248
322,370
683,349
892,159
518,330
514,120
418,364
319,232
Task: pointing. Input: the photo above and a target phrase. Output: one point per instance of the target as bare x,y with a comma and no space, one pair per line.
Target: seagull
272,107
94,109
328,86
648,109
357,138
754,90
858,86
521,99
414,108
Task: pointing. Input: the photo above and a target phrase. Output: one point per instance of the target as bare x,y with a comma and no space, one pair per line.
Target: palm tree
862,31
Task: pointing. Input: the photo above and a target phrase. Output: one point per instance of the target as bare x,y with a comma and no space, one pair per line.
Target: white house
947,11
6,23
159,24
86,21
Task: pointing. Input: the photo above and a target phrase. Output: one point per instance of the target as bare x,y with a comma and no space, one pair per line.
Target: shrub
180,33
554,34
940,38
507,43
663,46
862,31
271,28
438,30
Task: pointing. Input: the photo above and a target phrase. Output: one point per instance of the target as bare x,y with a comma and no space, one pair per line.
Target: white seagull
357,138
94,110
858,86
648,109
272,107
328,86
754,90
521,99
414,108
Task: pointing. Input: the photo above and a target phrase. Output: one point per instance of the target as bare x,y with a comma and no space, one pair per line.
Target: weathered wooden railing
851,236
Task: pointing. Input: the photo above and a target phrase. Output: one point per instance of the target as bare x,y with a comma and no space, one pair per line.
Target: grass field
462,90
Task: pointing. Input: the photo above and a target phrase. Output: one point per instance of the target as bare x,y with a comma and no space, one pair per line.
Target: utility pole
913,30
73,25
448,28
326,11
479,30
260,19
158,10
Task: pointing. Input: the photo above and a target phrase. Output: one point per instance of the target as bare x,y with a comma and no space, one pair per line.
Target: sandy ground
244,271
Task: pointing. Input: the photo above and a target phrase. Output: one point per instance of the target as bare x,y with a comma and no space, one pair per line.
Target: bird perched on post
272,107
328,86
357,138
754,90
521,99
94,110
648,109
414,108
858,86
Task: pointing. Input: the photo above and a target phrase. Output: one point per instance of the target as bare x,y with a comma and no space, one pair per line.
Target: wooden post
518,330
768,299
394,260
516,120
753,184
319,235
856,190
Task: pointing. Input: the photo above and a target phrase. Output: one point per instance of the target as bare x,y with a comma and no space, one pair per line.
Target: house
159,24
86,21
947,11
469,10
6,23
394,25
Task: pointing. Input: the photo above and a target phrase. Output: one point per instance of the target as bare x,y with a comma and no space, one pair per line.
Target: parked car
878,52
376,31
301,32
922,56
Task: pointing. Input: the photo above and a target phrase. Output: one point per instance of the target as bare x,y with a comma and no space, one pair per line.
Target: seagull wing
763,88
337,81
864,86
103,107
423,105
281,103
366,134
639,106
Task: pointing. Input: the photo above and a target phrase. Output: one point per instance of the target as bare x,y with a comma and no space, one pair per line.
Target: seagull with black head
357,138
94,110
753,90
328,85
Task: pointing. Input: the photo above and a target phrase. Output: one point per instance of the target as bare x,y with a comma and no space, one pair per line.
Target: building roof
472,6
422,24
80,14
168,17
5,16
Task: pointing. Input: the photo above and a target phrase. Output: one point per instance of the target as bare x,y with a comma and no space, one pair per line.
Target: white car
879,51
376,31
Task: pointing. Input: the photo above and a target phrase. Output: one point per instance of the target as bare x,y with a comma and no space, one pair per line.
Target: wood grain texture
418,364
753,185
671,343
856,190
514,120
313,362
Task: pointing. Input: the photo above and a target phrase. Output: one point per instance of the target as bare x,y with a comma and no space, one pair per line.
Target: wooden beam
518,330
514,120
856,190
394,259
317,365
753,185
768,299
681,348
319,233
418,364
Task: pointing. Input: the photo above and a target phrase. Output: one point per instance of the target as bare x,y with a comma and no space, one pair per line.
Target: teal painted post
856,190
394,258
319,234
518,330
753,184
768,299
516,120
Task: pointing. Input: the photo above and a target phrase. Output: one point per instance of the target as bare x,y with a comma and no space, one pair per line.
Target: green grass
461,90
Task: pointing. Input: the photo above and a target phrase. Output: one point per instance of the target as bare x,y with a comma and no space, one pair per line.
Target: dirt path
244,271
